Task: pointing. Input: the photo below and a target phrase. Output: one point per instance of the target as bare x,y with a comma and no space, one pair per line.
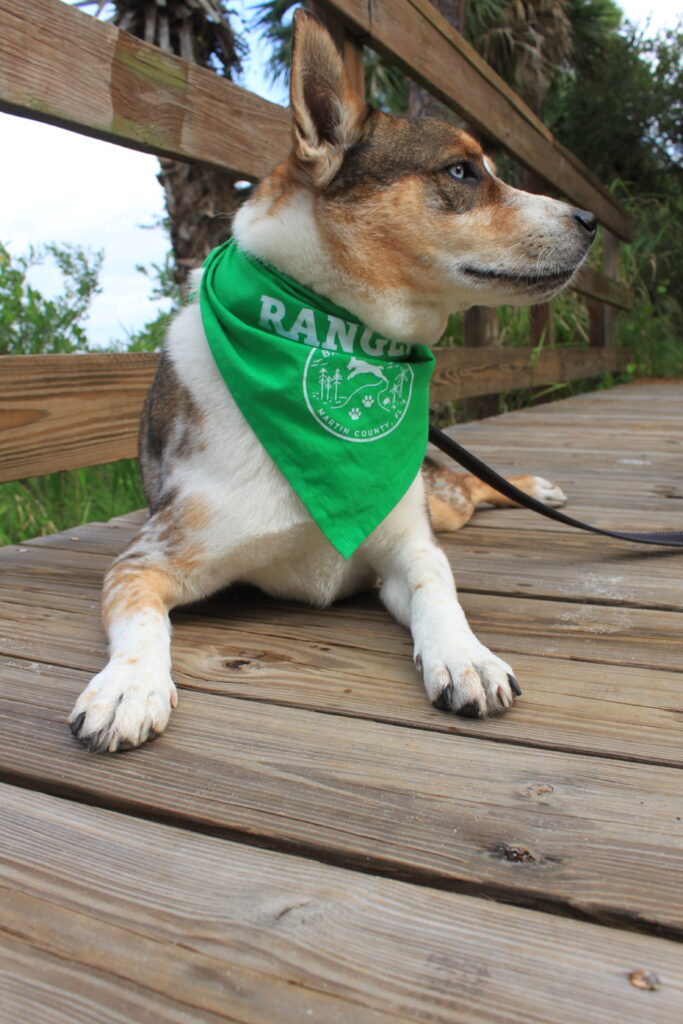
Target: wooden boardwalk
310,840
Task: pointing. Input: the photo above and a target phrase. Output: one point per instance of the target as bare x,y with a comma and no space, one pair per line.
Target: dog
401,221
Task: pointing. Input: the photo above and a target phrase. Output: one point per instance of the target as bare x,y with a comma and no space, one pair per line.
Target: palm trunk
200,202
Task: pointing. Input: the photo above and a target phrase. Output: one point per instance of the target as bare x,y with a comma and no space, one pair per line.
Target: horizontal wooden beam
412,34
596,285
67,411
467,372
64,67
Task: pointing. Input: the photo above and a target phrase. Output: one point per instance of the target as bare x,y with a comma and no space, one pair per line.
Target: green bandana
340,410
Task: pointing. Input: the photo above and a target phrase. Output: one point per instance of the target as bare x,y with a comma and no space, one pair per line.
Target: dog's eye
462,171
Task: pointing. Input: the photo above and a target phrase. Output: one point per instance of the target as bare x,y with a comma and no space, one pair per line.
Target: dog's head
401,220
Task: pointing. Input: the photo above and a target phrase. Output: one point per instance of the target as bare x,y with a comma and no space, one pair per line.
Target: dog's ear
327,114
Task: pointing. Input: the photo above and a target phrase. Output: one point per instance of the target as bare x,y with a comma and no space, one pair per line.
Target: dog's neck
288,238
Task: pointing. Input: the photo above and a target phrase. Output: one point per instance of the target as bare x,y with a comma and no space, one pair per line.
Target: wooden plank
575,706
462,372
412,34
595,285
62,66
533,827
66,411
281,938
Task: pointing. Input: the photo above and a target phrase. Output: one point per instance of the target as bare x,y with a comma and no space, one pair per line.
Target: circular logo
354,399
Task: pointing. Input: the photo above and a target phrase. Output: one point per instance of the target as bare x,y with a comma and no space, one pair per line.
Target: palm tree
199,199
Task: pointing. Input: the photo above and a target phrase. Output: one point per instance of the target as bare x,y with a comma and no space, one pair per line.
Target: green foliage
59,501
30,323
164,286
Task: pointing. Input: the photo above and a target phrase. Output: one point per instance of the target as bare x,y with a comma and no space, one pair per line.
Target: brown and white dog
401,221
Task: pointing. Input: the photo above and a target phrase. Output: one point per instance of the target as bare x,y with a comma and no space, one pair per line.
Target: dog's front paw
543,490
122,707
467,679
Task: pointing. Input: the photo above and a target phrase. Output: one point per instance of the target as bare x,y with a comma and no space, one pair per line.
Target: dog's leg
460,674
131,699
453,497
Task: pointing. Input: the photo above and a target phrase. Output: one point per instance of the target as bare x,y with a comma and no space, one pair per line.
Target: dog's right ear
327,114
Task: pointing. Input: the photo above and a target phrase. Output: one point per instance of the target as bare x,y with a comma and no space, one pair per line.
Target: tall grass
59,501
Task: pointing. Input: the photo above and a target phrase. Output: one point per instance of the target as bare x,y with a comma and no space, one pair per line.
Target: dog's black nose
586,220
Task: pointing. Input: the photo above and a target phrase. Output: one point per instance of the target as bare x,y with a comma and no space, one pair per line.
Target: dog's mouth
526,282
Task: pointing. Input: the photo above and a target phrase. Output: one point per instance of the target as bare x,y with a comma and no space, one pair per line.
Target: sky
65,187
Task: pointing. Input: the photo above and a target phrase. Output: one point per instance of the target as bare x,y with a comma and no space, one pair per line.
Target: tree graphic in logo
354,398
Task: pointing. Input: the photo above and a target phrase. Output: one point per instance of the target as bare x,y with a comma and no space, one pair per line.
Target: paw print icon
367,401
354,414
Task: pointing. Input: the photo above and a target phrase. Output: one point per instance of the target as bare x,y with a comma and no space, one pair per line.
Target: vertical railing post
602,316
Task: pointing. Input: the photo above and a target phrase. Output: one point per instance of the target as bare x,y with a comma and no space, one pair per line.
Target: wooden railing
62,66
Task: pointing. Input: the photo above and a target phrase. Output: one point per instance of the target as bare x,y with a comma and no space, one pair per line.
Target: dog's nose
587,221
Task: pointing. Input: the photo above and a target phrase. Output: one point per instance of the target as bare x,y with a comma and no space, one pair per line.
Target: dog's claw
75,726
444,701
514,686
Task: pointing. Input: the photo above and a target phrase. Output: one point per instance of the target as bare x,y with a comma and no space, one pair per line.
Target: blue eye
458,171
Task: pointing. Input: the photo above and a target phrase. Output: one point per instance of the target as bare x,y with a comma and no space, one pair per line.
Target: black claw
444,701
470,710
514,686
75,726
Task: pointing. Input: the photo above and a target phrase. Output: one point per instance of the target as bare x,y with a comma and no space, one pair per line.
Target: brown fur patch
170,418
131,590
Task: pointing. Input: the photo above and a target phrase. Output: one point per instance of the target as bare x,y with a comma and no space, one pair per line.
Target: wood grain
62,66
307,731
278,938
533,827
67,411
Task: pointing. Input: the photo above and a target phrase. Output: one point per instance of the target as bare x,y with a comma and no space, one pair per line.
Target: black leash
673,539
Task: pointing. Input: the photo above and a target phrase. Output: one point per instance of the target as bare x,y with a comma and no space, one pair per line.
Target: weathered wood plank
463,372
67,411
609,710
280,938
62,66
595,285
534,827
413,35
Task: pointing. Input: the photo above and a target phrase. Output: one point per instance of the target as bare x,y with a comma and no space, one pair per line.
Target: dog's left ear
327,114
